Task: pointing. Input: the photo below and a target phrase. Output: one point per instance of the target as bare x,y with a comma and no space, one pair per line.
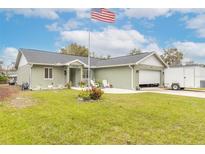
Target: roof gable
152,60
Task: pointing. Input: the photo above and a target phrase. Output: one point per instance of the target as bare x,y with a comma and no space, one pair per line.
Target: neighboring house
12,74
186,76
42,69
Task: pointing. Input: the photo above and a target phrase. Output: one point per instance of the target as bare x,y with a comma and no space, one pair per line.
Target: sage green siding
23,74
119,77
39,82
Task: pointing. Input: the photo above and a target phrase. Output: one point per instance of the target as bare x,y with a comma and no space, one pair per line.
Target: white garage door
149,77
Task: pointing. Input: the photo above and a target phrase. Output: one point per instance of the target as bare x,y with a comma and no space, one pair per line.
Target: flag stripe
101,19
103,15
108,13
97,18
112,15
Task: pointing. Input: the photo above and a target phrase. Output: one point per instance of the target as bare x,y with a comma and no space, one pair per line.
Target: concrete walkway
113,90
120,91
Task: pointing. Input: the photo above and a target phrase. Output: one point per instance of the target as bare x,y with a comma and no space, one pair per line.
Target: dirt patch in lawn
7,91
14,97
22,102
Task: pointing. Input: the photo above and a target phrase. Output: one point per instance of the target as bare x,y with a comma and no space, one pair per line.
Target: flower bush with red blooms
91,94
96,93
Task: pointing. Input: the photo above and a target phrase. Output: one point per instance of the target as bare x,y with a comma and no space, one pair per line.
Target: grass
196,89
146,118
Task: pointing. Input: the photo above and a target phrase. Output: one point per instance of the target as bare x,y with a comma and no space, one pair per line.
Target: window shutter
50,73
46,73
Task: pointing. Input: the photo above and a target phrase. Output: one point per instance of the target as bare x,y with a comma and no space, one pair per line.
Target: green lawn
146,118
196,89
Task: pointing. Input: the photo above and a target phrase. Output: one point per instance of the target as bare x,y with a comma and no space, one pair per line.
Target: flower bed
90,94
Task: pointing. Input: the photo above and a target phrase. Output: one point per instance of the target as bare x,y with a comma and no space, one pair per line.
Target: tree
108,57
172,56
75,49
1,63
135,51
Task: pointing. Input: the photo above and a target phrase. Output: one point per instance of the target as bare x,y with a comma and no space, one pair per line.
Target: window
48,73
85,73
65,72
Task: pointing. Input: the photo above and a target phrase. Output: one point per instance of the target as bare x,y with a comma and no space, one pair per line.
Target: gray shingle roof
122,60
50,58
188,65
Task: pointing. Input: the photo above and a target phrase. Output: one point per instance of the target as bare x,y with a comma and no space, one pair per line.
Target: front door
75,76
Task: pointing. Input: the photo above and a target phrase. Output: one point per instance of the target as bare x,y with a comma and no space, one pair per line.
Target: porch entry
75,76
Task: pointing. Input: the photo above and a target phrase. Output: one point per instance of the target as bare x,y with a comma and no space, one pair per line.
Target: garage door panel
149,77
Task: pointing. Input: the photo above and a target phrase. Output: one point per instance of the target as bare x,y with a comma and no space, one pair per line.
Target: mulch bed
7,91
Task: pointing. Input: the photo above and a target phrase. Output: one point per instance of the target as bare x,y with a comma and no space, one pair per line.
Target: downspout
30,77
131,76
194,77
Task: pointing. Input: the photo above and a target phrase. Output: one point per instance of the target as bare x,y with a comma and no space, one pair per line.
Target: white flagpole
89,59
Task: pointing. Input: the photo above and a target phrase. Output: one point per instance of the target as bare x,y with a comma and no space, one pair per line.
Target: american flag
103,14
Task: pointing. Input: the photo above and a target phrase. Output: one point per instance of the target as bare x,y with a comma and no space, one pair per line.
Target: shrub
85,95
3,79
82,84
68,85
96,93
91,94
99,84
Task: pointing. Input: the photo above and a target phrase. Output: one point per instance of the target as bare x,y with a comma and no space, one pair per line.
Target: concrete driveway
175,92
152,90
156,90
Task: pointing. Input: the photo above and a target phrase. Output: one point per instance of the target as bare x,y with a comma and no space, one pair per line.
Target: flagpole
98,14
89,58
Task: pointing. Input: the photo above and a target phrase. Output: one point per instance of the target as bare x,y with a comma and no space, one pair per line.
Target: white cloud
127,26
69,25
110,41
82,13
188,10
191,49
45,13
9,55
197,23
146,13
153,46
42,13
53,27
152,13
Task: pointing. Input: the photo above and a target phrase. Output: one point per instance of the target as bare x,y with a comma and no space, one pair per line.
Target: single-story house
43,69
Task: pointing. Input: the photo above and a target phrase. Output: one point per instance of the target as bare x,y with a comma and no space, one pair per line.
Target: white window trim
83,73
48,73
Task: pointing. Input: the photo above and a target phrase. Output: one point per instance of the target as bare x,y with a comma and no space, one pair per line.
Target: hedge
3,79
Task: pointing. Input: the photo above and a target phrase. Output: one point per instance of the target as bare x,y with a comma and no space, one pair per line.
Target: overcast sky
147,29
